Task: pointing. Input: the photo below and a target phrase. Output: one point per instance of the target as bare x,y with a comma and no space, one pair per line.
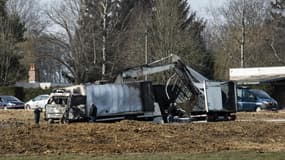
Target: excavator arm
147,69
185,74
142,71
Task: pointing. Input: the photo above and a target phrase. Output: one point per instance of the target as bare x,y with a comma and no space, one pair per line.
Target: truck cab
65,107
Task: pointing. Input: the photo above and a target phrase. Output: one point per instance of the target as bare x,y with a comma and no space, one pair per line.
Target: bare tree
89,30
70,39
111,34
30,13
239,35
107,21
168,23
276,30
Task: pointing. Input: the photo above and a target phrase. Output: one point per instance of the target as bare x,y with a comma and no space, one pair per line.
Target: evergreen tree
177,30
11,33
199,57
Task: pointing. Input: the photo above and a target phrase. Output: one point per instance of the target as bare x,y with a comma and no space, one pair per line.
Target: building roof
258,75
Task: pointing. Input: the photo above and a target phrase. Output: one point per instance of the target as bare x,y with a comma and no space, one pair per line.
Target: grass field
161,156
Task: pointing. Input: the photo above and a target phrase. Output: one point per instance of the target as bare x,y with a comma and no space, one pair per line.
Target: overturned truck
195,97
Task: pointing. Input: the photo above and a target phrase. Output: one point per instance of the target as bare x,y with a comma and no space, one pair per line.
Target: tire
233,117
258,109
64,121
28,107
50,121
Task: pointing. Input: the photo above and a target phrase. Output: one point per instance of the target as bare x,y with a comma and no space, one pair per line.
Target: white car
37,102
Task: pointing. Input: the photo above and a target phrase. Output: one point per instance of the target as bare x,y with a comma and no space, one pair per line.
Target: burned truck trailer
199,97
112,101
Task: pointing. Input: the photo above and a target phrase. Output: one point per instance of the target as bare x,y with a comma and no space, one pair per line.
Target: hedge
23,94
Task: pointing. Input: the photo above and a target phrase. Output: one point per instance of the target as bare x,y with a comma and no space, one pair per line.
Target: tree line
247,33
94,40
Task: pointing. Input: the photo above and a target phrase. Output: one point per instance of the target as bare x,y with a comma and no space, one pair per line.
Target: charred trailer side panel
120,101
147,96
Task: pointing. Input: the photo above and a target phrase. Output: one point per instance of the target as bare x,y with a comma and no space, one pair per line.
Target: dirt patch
259,116
20,136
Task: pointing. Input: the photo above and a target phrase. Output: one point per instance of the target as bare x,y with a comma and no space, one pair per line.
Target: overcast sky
198,5
201,6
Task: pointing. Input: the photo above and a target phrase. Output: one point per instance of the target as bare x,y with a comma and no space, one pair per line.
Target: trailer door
213,96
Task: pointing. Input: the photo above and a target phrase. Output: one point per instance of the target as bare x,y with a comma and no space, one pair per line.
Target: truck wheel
210,118
64,120
258,109
233,117
65,117
50,121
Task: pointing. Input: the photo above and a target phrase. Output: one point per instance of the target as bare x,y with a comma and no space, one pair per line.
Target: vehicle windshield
58,100
11,99
41,97
260,93
45,96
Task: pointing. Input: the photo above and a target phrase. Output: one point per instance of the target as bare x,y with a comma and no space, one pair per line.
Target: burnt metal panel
199,106
78,100
221,96
214,98
229,96
114,98
147,96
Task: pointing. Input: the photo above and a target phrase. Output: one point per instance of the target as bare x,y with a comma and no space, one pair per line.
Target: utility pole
146,47
242,36
105,6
